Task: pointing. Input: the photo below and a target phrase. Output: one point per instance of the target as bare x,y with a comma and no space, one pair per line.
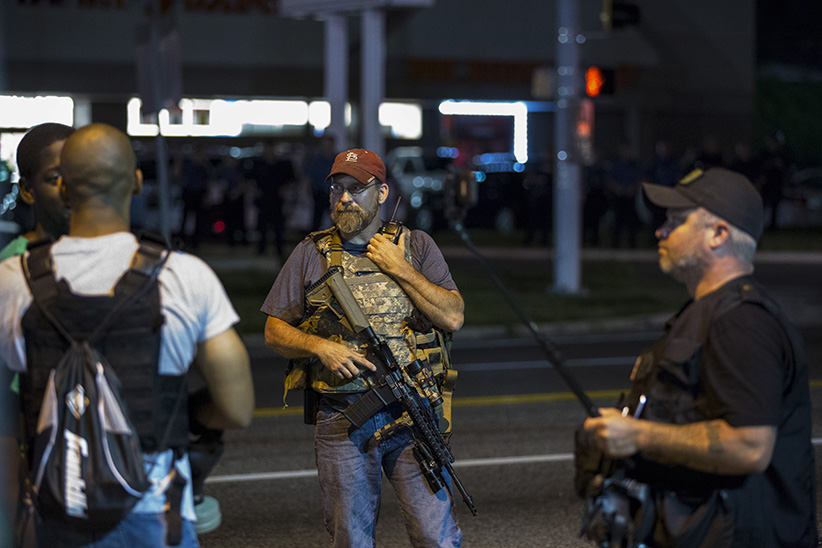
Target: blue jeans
136,531
350,463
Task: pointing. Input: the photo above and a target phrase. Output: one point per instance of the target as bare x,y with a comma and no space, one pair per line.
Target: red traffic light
599,81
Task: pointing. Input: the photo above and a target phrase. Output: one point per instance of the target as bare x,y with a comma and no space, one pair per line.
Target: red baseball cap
363,165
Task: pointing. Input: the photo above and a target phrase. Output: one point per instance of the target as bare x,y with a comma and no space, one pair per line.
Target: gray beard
353,219
684,269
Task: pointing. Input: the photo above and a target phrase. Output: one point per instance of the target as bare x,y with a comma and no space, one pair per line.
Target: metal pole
372,78
567,213
159,141
336,76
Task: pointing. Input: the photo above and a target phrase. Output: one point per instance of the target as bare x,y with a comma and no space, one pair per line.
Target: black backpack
86,469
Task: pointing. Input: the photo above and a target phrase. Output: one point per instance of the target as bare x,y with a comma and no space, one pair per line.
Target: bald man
99,176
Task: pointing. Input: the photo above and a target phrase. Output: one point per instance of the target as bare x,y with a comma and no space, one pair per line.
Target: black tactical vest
668,375
131,345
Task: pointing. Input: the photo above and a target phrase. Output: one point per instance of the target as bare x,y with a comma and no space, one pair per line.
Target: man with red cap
405,289
718,424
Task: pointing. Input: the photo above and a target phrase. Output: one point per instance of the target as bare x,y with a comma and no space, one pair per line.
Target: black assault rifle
430,448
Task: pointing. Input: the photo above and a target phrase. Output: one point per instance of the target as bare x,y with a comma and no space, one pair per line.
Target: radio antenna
396,206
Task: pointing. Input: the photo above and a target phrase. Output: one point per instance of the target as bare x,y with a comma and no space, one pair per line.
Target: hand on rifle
341,360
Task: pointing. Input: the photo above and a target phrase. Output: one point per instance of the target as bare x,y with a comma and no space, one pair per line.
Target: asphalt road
514,421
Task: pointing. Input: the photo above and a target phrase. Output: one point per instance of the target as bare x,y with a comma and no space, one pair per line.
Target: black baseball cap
725,193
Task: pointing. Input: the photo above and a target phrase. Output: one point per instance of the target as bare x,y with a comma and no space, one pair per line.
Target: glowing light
224,118
218,117
518,110
24,112
448,152
404,119
319,114
594,80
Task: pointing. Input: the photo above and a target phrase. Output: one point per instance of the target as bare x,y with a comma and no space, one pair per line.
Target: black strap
174,517
145,267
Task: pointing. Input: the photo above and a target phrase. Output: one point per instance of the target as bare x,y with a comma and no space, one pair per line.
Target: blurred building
680,70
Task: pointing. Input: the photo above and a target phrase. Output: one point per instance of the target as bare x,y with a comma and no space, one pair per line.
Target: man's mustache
347,208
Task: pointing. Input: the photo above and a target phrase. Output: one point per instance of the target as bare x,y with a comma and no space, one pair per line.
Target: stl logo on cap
351,157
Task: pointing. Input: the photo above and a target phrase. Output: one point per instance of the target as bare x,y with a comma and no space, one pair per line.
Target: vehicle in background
801,204
420,179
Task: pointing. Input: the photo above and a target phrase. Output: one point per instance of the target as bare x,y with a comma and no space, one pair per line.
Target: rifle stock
430,449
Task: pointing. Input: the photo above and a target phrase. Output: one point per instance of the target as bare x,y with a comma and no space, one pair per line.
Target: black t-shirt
746,365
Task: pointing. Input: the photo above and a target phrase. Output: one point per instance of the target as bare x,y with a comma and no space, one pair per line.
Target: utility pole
159,88
567,211
372,78
336,75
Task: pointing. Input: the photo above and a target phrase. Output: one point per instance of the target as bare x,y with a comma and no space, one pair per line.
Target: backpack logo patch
76,451
77,401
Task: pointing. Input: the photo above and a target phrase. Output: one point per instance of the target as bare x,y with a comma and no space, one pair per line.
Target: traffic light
599,81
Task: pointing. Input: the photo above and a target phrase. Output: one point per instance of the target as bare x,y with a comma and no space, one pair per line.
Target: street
513,440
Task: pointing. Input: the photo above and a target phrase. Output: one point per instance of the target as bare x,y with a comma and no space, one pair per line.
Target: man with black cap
406,291
718,424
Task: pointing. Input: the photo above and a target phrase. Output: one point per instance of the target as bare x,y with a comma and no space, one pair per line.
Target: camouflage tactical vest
388,309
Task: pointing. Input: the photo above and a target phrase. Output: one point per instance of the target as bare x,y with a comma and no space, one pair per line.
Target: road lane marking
464,463
473,401
267,412
545,364
563,339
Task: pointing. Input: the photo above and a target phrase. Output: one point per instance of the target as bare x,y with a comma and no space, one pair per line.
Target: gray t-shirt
305,265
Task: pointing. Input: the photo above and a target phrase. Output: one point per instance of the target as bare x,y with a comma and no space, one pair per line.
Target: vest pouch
671,397
694,522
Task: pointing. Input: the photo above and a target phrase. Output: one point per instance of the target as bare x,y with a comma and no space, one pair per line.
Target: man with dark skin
99,177
38,160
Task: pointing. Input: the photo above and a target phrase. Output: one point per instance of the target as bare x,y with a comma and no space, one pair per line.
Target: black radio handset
391,229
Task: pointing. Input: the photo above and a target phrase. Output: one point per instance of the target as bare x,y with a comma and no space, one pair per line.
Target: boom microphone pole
461,195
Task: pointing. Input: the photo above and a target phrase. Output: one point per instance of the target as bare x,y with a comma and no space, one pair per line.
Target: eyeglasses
354,190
